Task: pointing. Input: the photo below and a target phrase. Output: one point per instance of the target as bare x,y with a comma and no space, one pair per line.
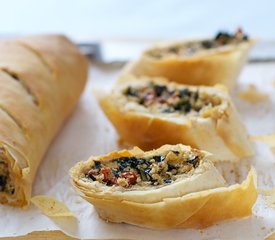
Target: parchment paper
88,132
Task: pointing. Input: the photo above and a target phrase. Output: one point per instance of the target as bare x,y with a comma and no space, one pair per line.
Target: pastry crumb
269,196
252,95
78,201
51,207
267,139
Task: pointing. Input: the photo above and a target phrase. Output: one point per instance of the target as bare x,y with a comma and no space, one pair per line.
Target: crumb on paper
269,196
267,139
252,95
51,207
78,201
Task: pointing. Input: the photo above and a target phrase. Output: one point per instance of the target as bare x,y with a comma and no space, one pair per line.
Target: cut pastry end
11,182
160,97
169,171
170,113
163,188
222,41
196,62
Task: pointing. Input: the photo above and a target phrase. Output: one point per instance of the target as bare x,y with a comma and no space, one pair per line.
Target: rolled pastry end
11,182
173,186
196,62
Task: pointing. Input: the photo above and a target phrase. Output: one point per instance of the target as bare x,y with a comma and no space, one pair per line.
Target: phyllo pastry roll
150,112
41,79
173,186
197,62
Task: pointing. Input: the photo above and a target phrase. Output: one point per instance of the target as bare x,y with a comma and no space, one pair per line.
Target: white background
142,19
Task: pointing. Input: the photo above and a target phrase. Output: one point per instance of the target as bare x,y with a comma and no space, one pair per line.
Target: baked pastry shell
194,210
225,136
212,67
40,88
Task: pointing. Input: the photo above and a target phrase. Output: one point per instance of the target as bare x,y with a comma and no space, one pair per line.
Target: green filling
155,170
6,184
188,49
162,99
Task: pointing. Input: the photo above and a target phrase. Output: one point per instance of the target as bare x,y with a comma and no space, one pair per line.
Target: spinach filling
155,170
6,184
189,49
161,99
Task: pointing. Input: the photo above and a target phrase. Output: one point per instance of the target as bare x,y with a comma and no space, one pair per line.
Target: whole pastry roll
149,112
41,79
173,186
198,62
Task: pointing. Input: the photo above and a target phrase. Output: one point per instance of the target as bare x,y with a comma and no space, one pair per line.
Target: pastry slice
41,80
173,186
197,62
149,112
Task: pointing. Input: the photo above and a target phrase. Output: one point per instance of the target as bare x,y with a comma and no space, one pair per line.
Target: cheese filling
164,99
191,48
6,184
154,170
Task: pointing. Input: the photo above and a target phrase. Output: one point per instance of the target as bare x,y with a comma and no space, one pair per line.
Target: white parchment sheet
88,132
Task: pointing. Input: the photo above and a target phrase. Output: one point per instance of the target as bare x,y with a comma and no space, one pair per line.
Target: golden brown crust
194,210
218,66
230,207
229,140
148,135
41,79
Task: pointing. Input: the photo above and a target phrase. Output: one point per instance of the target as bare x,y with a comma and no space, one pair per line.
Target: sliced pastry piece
198,62
173,186
41,79
149,112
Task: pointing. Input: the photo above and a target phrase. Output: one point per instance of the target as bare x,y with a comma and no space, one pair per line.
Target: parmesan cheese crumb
252,95
269,197
122,182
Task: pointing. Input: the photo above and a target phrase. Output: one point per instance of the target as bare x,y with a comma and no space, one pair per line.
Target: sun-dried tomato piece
131,177
106,174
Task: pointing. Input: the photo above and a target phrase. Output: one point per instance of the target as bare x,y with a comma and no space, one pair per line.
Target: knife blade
116,53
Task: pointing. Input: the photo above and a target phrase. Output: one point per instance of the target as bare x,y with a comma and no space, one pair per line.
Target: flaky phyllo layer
149,112
206,61
187,49
172,186
39,89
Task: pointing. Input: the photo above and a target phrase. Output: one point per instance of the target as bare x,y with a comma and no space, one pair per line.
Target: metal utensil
109,53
